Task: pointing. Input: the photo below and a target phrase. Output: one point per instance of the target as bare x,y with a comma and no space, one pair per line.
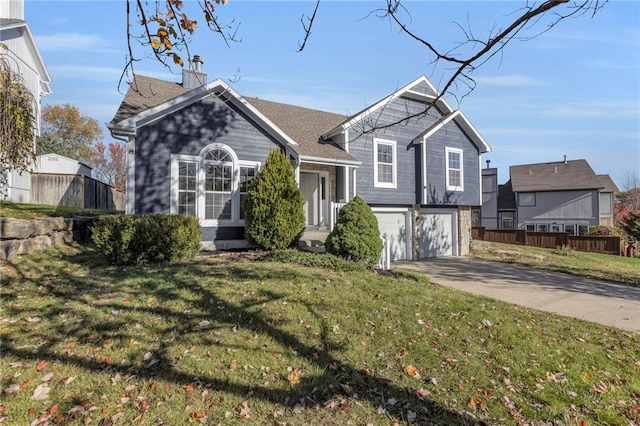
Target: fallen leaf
233,365
41,392
411,370
42,365
13,388
47,377
117,417
294,377
244,410
472,404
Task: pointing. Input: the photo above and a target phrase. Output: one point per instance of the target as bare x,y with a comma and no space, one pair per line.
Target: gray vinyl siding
561,207
362,147
452,136
409,174
186,132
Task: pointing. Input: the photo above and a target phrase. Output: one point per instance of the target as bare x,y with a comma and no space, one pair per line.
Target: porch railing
335,209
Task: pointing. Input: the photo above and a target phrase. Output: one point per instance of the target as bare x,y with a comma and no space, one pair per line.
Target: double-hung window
187,179
454,169
385,163
247,175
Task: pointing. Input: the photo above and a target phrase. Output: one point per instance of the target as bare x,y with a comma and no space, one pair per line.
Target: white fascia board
377,106
435,127
473,133
216,88
329,161
463,122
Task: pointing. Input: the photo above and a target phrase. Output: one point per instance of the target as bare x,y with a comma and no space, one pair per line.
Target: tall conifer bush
274,215
356,235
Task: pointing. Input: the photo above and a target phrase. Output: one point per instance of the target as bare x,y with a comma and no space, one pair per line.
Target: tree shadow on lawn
77,292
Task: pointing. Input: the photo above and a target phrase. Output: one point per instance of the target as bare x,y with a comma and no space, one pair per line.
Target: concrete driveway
597,301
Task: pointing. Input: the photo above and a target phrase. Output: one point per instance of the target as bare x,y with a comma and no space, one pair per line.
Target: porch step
313,240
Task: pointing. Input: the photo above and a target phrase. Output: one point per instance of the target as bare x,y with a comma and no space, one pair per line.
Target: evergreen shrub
273,207
142,239
356,235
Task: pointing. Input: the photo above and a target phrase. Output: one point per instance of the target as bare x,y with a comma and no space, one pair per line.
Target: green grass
35,211
593,265
234,340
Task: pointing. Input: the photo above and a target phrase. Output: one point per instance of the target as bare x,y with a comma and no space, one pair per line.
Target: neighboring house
563,196
194,148
24,59
61,165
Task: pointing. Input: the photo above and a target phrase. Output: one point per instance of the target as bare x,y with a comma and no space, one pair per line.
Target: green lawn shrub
356,235
142,239
274,215
603,231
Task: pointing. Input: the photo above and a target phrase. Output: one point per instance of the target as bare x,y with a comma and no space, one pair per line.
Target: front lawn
620,269
232,339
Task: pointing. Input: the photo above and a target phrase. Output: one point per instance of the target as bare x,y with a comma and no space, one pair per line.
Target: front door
310,188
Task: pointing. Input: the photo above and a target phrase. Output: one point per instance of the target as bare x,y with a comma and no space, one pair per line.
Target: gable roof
149,99
420,89
607,184
554,176
145,93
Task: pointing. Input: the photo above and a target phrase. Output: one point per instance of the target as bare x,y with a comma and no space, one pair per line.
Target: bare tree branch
463,66
307,26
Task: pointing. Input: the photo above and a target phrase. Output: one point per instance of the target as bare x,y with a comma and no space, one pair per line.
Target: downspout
346,168
131,164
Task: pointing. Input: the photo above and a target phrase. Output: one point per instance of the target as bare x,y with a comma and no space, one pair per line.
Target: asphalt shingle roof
144,93
555,176
607,183
303,125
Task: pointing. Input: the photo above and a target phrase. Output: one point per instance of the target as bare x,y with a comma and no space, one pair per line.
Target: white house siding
58,164
13,9
570,207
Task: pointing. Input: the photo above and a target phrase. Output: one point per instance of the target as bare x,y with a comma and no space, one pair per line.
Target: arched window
218,185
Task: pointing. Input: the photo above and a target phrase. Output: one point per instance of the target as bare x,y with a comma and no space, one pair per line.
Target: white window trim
449,187
200,184
394,165
174,188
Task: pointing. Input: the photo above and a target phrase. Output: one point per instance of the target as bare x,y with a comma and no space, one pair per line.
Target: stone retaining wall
20,236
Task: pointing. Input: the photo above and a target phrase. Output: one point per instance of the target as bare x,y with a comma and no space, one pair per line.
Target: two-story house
194,147
563,196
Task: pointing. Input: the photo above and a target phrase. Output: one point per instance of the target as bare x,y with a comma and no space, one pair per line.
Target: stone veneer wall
20,236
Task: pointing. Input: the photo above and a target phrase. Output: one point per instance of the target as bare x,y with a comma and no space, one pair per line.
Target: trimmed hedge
142,239
356,235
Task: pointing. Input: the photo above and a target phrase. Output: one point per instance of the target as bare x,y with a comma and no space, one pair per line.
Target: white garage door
438,233
393,227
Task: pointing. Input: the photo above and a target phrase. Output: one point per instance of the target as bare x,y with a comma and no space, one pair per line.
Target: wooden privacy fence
74,191
607,245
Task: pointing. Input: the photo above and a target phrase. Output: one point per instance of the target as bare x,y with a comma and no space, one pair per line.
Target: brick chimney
193,76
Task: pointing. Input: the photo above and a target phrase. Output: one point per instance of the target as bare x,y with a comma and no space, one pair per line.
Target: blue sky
574,91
